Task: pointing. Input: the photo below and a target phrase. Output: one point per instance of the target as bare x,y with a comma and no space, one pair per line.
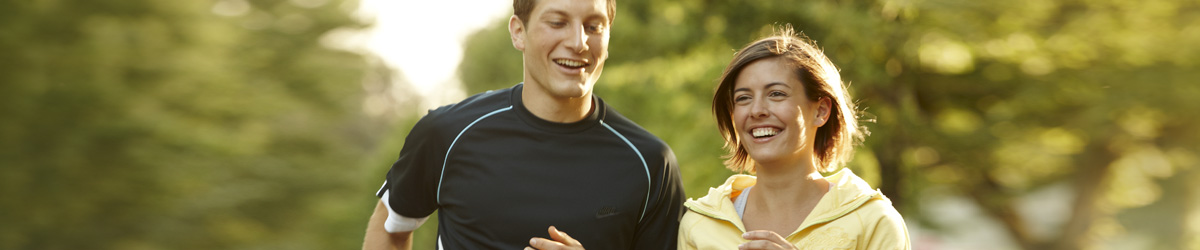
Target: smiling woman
799,68
785,115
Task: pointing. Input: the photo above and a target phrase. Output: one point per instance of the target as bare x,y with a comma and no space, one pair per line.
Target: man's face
564,45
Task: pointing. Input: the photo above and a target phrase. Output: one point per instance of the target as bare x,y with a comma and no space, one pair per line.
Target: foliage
144,124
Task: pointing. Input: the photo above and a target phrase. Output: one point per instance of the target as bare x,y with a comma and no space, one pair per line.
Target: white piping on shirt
649,184
460,133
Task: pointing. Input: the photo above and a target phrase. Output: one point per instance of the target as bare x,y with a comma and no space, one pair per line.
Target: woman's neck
795,183
783,197
794,176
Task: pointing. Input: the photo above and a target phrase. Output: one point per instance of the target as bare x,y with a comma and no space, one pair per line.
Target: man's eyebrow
598,15
556,11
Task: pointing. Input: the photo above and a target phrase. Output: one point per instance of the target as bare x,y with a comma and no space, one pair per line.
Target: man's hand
763,239
561,241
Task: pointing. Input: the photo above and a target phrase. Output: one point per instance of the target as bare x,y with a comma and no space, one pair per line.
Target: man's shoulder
629,128
646,141
471,108
447,119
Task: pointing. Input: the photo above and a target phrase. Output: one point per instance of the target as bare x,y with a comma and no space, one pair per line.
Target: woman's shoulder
882,225
690,218
878,207
879,214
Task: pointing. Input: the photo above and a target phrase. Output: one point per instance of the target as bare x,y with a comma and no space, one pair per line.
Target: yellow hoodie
850,216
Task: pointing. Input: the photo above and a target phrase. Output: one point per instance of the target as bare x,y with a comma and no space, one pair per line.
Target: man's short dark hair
522,8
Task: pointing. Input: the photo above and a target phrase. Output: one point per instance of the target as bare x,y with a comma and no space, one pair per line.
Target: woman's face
773,118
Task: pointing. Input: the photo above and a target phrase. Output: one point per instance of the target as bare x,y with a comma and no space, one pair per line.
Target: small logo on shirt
606,212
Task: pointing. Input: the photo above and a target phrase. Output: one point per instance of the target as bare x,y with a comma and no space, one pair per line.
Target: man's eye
595,28
558,24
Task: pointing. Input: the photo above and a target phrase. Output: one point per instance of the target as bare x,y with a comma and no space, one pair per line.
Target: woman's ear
822,115
516,31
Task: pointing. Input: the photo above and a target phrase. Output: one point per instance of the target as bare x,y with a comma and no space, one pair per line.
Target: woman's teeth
764,132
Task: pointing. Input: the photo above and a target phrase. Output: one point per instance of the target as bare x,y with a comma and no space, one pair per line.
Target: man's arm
377,238
659,228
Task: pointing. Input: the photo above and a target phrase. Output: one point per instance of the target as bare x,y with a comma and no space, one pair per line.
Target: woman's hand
561,241
764,240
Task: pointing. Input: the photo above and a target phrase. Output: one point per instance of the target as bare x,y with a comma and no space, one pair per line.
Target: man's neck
556,109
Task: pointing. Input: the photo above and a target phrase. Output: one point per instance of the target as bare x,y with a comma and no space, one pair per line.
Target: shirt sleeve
664,208
410,190
685,234
887,231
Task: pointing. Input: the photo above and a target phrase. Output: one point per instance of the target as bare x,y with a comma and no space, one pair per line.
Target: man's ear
516,30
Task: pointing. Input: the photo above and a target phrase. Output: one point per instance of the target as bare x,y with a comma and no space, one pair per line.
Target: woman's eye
777,94
741,99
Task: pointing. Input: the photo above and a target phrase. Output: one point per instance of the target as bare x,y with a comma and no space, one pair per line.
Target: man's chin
572,88
571,93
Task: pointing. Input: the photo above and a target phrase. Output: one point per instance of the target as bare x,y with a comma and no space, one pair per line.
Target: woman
785,115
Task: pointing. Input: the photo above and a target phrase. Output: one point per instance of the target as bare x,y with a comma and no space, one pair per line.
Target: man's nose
578,40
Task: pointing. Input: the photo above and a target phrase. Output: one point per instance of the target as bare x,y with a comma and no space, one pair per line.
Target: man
503,167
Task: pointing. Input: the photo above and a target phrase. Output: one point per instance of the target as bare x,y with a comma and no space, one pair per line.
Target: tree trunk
1090,181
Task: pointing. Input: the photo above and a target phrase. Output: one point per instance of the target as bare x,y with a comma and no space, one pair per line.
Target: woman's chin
766,159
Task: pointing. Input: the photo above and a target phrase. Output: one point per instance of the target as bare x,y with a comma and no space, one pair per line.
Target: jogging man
508,169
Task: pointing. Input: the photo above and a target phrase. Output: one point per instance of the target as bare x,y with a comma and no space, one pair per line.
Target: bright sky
424,39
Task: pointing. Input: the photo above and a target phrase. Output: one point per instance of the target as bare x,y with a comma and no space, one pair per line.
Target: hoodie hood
849,192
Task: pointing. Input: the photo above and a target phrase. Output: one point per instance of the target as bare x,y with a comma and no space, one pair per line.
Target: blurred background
269,124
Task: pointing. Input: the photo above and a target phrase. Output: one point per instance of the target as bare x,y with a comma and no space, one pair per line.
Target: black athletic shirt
498,176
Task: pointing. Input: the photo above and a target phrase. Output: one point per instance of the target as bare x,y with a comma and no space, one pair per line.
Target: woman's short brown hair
834,142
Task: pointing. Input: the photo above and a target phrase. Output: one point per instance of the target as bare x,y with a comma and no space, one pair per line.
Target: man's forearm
377,238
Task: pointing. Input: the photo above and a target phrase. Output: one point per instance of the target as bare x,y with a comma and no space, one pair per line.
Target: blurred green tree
227,124
988,100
